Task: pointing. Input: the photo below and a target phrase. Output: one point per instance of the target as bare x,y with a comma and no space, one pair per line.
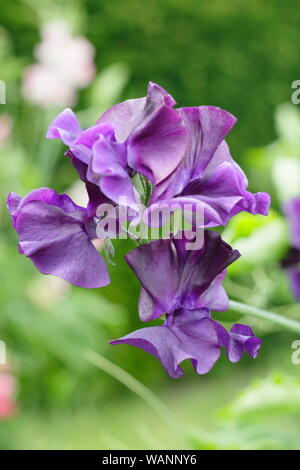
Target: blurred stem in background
134,385
265,315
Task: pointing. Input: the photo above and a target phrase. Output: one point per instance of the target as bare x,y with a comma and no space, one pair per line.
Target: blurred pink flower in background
5,128
65,64
8,389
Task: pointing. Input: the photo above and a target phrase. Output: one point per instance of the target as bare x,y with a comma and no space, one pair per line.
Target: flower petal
242,339
159,141
173,276
107,169
294,275
207,126
65,127
155,134
52,233
222,191
192,336
292,211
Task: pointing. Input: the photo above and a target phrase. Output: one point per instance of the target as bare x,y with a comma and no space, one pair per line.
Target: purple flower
56,235
292,212
185,285
292,260
182,152
208,175
144,135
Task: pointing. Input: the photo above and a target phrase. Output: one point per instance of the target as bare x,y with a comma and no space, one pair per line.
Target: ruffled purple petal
107,169
292,211
52,233
124,117
221,193
173,276
207,126
154,133
223,187
190,335
65,127
242,339
208,174
83,147
193,335
215,297
13,202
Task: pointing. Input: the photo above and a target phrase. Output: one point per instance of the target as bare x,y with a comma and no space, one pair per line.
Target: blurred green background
242,56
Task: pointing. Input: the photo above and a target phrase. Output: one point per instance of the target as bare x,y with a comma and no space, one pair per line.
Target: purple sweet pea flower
185,285
292,260
208,175
56,235
144,135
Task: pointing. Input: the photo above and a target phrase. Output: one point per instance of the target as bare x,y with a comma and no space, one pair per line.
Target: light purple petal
96,196
242,339
107,169
83,147
215,297
65,127
52,233
124,117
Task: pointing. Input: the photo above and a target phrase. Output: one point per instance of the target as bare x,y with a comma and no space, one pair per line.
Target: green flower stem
287,323
134,385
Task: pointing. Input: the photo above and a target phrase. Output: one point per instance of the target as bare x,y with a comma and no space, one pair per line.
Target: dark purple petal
207,127
173,276
208,174
223,187
189,335
52,233
154,133
107,169
242,339
292,211
291,259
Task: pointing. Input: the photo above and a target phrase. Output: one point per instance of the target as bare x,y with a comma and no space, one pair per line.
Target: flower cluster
292,260
181,155
186,285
